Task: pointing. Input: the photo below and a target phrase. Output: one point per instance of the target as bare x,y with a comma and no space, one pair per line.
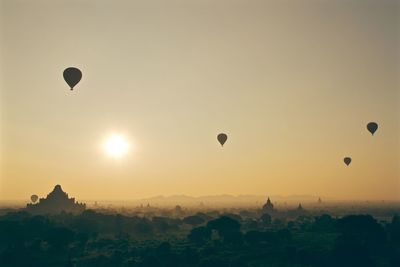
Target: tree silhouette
194,220
200,235
266,219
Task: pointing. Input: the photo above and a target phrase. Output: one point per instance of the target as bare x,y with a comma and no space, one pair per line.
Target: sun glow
116,146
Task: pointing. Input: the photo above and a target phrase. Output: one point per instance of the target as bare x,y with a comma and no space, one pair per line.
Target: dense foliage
202,239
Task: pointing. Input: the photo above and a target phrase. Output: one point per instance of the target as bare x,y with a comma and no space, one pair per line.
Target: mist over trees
207,238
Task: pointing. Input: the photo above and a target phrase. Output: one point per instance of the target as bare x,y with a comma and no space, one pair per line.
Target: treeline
200,240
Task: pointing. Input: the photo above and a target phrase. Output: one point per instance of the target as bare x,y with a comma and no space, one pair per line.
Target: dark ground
211,238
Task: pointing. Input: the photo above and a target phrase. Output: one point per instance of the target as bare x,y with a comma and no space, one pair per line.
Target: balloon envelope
372,127
222,138
34,198
347,160
72,76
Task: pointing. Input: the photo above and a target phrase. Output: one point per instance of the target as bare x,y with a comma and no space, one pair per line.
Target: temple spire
268,207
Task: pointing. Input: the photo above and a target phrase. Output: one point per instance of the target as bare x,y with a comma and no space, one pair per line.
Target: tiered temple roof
56,202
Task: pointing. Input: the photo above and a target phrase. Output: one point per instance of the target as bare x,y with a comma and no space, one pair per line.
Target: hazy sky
292,83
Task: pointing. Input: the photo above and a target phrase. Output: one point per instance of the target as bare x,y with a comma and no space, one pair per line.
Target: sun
116,146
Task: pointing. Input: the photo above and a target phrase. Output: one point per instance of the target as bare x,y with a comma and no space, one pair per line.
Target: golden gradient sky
293,84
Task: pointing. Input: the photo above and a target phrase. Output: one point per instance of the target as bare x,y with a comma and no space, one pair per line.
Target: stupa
268,207
299,211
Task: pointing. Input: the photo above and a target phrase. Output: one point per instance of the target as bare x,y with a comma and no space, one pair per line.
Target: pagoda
268,207
57,201
299,211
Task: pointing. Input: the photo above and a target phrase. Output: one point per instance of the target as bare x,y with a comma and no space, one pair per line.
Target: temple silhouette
57,201
268,207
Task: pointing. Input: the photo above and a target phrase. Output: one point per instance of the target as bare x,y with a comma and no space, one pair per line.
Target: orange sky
292,83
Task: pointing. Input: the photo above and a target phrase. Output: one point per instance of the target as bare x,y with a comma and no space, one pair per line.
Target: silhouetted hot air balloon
222,138
72,76
372,127
347,160
34,198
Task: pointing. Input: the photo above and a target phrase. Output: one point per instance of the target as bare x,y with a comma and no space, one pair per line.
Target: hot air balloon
222,138
72,76
347,160
34,198
372,127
